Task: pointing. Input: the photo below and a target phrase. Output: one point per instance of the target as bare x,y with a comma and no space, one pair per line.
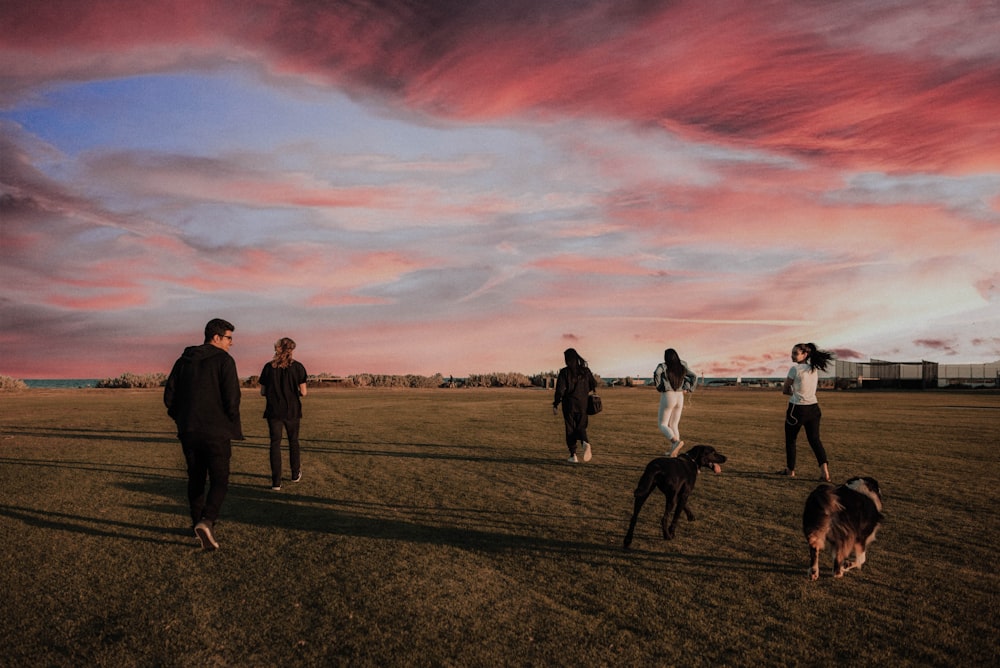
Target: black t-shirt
281,389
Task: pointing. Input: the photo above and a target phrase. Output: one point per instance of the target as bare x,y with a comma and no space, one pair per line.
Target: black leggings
796,417
291,427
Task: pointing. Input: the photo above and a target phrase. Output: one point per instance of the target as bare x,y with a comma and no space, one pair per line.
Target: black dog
675,477
845,518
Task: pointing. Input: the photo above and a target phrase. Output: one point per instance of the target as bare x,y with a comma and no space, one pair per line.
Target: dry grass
442,528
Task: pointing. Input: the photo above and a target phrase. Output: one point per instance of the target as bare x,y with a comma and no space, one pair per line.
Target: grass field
443,528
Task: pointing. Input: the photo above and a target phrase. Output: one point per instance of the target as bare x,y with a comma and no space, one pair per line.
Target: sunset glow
467,187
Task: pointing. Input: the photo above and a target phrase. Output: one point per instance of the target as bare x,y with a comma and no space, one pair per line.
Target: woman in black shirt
283,383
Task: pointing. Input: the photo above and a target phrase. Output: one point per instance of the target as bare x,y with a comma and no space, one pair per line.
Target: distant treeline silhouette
493,379
134,380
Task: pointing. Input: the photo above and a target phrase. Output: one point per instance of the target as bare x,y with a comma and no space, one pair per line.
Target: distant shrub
134,380
8,384
548,379
498,379
493,379
385,380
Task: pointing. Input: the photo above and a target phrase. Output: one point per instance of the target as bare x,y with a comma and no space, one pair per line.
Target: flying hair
818,359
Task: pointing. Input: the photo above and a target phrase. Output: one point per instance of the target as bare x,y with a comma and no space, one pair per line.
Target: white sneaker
203,530
572,459
586,452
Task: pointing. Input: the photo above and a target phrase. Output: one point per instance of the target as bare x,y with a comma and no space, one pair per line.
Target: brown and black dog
843,518
675,477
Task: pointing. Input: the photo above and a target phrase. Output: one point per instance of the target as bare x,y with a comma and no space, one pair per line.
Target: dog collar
697,468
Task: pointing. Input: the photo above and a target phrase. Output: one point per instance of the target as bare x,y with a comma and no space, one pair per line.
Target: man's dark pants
206,457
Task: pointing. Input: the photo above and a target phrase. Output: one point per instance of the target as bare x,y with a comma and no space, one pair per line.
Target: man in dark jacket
202,395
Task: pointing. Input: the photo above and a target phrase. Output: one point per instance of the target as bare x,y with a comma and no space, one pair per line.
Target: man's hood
204,351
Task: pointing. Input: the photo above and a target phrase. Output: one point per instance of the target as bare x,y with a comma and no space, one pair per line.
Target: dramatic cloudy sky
466,186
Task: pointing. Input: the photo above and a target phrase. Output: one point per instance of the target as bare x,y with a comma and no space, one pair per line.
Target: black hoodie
202,393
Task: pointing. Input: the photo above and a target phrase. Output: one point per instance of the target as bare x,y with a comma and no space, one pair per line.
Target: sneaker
275,488
586,452
203,530
572,459
297,477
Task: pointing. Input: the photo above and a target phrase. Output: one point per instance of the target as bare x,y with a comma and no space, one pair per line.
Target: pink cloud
331,298
243,181
323,278
783,76
577,264
989,287
104,302
793,95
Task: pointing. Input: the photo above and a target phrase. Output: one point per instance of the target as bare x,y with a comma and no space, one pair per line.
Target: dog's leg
816,542
668,529
814,554
861,549
639,500
681,505
840,554
859,557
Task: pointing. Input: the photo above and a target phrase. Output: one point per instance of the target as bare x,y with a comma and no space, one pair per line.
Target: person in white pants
672,379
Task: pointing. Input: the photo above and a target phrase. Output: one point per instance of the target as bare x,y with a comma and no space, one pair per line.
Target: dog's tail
821,507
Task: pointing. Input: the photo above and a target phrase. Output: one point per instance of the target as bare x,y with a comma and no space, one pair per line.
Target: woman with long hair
803,407
283,383
672,379
574,383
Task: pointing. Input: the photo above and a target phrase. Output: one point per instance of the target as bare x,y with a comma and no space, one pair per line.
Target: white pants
671,407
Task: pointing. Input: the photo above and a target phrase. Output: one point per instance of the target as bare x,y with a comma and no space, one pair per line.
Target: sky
472,186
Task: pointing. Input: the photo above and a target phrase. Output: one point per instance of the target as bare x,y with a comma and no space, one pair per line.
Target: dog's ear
873,485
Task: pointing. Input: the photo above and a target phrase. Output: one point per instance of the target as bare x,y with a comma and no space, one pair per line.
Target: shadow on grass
493,532
554,456
85,465
92,526
62,433
358,449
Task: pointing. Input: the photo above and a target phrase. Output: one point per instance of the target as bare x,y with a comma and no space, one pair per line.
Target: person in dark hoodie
202,395
574,383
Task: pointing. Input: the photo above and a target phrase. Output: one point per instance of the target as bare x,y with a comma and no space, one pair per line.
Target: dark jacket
281,388
572,391
202,393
